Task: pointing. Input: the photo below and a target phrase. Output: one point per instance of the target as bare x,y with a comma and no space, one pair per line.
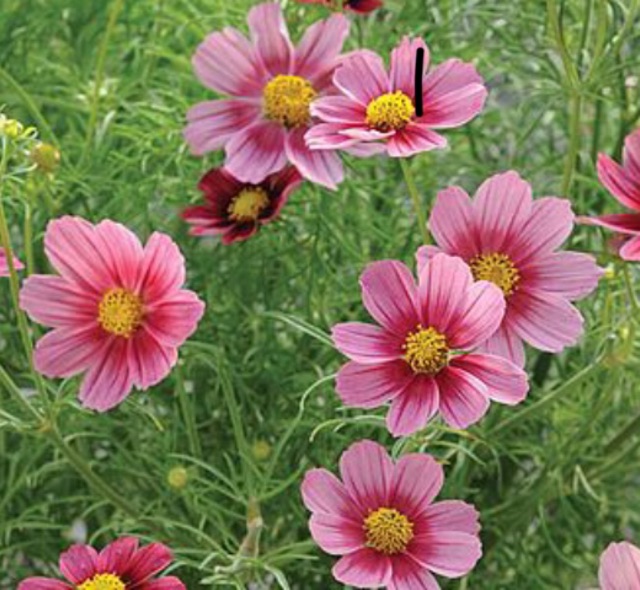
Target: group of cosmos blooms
445,343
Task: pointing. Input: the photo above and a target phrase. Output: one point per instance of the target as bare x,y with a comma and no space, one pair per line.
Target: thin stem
630,292
575,115
415,197
188,415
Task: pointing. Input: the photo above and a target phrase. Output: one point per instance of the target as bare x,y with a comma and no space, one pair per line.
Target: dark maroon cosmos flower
235,210
361,6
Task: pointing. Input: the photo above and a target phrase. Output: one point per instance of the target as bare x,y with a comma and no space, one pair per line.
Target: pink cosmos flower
415,359
118,310
620,567
122,565
378,109
511,240
623,182
4,264
382,521
361,6
271,85
236,209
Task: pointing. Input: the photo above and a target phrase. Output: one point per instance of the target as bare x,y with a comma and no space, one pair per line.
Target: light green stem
415,197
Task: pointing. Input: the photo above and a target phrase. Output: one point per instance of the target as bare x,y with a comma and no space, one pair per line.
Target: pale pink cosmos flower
377,109
122,565
118,310
418,358
382,521
271,85
510,239
4,263
620,567
623,182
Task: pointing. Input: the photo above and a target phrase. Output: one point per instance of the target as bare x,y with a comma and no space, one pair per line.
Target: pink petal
78,563
366,344
336,535
631,154
53,301
389,293
617,180
417,480
479,317
548,226
448,77
626,223
464,399
211,124
365,568
631,250
370,386
502,207
116,556
109,379
450,554
506,383
65,352
338,109
408,574
256,151
147,562
424,254
239,73
329,136
149,361
414,407
317,53
367,472
324,493
570,274
168,583
414,139
123,261
620,567
545,320
77,253
454,109
175,318
505,343
162,270
403,65
443,289
319,166
4,264
362,77
42,584
270,37
452,223
452,516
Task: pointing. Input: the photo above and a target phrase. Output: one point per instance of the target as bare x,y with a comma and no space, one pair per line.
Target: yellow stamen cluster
426,350
388,531
286,99
120,312
248,204
389,112
497,268
103,582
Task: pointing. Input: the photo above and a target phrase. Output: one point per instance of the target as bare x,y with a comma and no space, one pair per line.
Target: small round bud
178,477
46,157
261,450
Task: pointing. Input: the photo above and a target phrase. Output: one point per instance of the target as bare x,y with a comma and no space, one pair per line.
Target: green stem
188,415
415,197
575,114
630,292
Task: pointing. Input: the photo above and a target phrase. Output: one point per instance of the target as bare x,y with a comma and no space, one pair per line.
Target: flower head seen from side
271,85
418,357
359,6
382,521
236,210
620,567
4,264
121,565
623,182
376,109
117,309
511,239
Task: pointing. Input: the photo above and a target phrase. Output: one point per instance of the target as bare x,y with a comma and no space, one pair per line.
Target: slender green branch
415,197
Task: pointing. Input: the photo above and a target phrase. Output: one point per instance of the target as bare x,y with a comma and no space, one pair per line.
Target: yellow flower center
103,582
287,100
248,204
388,531
391,111
497,268
120,312
426,350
